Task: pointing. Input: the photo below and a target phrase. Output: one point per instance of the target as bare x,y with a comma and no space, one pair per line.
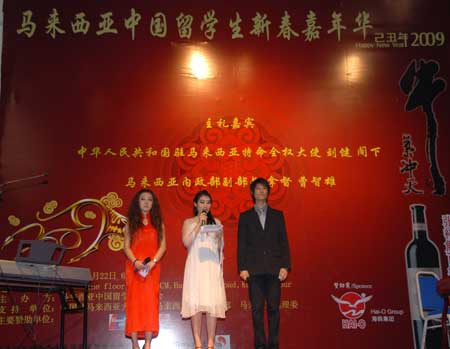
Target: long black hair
210,219
134,214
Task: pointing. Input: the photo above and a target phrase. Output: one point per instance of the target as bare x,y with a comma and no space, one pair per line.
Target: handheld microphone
206,213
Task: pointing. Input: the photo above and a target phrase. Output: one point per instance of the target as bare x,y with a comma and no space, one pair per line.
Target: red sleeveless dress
142,294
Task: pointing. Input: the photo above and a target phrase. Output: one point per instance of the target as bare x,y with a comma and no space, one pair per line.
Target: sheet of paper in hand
211,228
144,272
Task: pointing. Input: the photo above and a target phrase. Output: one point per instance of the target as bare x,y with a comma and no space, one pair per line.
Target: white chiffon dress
203,285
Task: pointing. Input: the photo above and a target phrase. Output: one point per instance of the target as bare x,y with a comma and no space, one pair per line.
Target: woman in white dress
203,286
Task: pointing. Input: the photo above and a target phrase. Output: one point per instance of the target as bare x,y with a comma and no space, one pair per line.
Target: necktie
262,217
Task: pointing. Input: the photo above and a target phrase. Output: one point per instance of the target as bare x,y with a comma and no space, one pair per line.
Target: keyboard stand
62,287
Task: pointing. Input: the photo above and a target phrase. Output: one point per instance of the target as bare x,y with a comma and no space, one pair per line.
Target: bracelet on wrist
134,262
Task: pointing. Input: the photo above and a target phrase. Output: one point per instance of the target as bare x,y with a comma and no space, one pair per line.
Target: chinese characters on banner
212,151
409,165
308,29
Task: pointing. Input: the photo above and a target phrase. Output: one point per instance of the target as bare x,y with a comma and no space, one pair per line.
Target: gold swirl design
90,215
115,230
109,225
14,221
112,200
115,242
50,206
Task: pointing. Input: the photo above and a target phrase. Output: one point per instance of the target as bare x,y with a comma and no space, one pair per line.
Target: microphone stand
4,187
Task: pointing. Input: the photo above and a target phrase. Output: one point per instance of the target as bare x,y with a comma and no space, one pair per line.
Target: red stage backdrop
342,105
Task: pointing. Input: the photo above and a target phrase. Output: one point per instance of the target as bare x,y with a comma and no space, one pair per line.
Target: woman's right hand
139,265
202,218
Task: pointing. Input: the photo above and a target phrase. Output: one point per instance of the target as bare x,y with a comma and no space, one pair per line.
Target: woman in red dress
144,237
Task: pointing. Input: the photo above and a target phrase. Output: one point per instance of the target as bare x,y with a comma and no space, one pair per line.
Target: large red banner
342,106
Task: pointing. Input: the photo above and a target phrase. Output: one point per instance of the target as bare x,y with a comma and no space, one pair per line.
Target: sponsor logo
352,305
116,322
222,341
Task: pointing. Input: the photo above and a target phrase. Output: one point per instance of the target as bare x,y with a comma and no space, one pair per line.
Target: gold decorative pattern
90,215
14,221
50,207
112,200
79,236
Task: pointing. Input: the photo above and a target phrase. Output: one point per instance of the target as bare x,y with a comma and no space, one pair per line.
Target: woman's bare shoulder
189,221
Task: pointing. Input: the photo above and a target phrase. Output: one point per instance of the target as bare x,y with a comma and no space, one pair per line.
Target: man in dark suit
263,261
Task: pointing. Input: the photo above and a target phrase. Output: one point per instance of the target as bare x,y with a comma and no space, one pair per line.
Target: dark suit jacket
263,251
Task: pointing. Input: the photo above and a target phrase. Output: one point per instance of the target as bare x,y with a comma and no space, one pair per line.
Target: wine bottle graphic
422,255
